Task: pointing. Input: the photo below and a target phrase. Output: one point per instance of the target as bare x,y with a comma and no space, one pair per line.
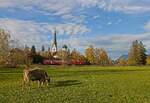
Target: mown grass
86,84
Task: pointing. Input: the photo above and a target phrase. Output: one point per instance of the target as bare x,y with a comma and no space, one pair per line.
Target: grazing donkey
36,74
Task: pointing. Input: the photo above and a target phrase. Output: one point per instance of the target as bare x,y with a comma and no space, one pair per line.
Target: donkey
35,74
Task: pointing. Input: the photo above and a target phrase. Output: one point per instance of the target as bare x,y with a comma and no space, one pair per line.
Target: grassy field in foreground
87,84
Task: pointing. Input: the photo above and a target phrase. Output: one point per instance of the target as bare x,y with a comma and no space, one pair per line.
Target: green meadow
85,84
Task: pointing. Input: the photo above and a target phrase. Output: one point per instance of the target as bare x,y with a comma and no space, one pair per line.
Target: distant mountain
123,57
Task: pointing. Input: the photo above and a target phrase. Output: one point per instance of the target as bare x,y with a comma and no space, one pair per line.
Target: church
60,56
54,46
56,60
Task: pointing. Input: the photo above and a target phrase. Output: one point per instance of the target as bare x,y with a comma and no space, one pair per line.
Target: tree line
10,56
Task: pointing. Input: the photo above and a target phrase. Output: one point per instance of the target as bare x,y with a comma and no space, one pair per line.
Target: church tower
54,45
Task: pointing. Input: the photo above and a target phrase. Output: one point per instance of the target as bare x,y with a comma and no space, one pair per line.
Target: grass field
87,84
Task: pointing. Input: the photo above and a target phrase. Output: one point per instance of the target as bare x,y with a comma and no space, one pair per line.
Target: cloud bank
68,8
29,32
72,12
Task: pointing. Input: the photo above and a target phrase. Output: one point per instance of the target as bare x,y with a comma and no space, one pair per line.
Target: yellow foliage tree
122,62
148,60
90,56
4,45
104,59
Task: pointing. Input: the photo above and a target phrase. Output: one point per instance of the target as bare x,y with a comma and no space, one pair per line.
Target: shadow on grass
66,83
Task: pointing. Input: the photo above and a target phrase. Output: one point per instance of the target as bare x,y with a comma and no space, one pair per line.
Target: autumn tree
104,59
122,62
64,54
16,57
28,56
46,55
90,55
4,45
77,56
97,53
137,54
148,60
97,56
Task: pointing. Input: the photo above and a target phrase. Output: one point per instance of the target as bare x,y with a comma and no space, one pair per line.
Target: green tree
43,48
142,54
33,50
34,55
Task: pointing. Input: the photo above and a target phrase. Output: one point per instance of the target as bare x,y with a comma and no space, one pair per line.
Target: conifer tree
43,48
33,50
142,54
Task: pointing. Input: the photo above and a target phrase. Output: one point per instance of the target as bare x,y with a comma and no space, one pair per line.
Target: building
54,45
57,56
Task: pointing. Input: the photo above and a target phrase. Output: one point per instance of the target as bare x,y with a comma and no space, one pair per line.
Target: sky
109,24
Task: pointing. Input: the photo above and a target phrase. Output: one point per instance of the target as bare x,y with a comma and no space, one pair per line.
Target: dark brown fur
36,75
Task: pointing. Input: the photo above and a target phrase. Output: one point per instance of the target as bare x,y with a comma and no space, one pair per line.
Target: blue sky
108,24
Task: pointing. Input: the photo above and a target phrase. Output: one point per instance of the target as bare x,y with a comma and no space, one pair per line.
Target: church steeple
54,45
55,38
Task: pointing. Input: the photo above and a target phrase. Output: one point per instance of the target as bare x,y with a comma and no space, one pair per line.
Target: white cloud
67,9
126,6
116,45
29,32
60,8
68,28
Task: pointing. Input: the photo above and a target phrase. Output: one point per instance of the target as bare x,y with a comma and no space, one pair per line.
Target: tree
75,55
65,55
28,56
4,45
104,59
122,62
97,56
142,54
148,60
16,57
89,54
137,54
33,50
97,53
33,54
43,48
46,55
37,58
